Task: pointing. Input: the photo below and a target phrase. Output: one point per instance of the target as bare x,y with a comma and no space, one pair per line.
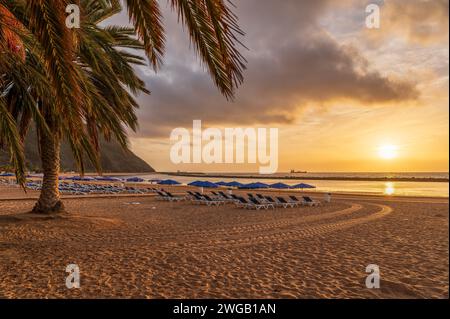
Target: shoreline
313,178
180,189
266,177
184,187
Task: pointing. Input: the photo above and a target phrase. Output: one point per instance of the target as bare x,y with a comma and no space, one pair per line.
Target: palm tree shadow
30,217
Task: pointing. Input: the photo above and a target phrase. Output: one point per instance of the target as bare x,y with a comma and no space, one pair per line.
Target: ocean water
343,175
410,188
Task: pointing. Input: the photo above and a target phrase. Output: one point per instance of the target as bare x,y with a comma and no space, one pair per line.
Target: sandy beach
138,247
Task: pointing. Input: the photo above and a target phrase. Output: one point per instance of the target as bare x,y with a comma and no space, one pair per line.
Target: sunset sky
345,98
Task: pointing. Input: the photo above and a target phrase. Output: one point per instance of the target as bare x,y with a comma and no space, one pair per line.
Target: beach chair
216,196
225,195
210,202
295,199
254,203
173,198
240,202
310,202
162,196
236,199
261,197
197,199
191,194
288,204
270,200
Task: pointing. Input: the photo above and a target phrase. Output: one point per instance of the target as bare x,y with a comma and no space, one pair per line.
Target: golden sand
138,247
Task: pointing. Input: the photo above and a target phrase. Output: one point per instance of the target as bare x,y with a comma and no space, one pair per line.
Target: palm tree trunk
49,201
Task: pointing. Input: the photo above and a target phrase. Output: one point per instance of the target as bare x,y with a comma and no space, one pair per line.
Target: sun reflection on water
389,188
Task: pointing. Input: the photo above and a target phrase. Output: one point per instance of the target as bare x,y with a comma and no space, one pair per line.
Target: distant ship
298,172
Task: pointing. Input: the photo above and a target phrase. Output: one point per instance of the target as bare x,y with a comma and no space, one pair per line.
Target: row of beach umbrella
171,182
257,185
102,179
91,179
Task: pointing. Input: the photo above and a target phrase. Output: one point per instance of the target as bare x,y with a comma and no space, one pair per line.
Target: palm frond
47,24
146,17
214,30
9,136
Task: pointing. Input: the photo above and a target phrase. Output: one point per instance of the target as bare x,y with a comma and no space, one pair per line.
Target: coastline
336,186
311,178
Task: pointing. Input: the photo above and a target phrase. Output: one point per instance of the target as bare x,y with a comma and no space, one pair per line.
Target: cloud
292,62
418,21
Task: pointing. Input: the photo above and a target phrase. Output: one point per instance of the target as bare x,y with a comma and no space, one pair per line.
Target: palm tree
77,84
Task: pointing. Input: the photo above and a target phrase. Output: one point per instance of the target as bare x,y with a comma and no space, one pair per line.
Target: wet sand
138,247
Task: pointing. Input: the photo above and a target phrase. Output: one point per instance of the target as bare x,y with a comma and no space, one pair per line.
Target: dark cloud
292,62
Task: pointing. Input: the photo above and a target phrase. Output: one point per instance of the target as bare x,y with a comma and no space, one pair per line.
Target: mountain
113,158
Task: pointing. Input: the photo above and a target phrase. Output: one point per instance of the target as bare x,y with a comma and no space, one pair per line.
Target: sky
344,97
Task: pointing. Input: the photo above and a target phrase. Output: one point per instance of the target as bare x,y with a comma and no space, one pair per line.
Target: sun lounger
225,196
197,199
210,202
173,198
217,196
288,204
235,197
255,204
310,202
240,202
162,196
169,197
274,202
191,194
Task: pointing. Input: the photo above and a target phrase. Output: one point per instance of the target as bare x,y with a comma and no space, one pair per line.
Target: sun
388,151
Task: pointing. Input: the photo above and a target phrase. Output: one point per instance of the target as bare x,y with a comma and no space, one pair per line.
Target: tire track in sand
295,234
236,230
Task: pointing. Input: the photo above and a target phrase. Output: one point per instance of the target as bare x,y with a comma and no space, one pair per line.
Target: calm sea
410,188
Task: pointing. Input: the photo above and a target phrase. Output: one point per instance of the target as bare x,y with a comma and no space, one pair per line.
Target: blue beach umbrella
234,184
303,186
79,178
135,180
255,186
280,186
203,184
221,183
169,182
7,175
107,179
100,178
87,179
